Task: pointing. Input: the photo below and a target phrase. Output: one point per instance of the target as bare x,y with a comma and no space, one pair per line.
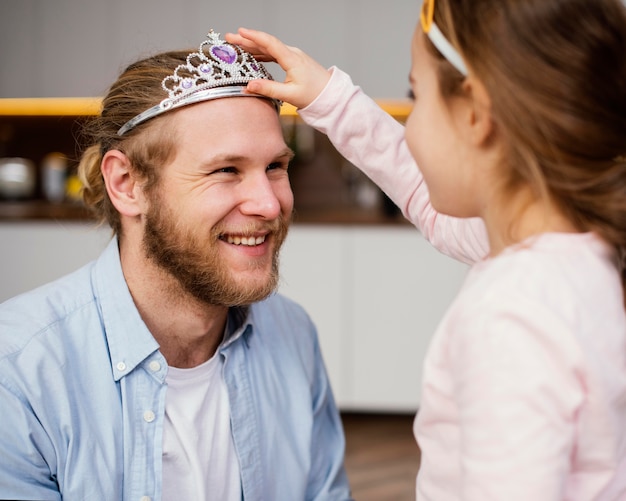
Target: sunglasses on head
436,37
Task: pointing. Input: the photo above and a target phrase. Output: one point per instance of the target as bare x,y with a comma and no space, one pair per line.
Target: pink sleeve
374,142
518,387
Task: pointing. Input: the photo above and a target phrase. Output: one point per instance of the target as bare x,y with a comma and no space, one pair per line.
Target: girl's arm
366,136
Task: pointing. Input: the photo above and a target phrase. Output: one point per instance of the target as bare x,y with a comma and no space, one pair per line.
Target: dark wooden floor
382,457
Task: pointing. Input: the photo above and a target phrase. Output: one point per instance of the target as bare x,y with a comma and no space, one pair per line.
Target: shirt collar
129,340
238,324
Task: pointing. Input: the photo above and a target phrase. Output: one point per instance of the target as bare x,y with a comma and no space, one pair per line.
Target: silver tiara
217,70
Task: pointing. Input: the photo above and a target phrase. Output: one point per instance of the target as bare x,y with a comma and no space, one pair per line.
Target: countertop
39,210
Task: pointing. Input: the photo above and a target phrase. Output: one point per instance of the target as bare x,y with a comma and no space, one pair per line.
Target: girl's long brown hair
556,75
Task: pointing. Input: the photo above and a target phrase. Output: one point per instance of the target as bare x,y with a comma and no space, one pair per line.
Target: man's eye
224,170
277,165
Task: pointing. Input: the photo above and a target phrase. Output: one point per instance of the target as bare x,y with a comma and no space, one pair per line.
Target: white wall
65,48
34,253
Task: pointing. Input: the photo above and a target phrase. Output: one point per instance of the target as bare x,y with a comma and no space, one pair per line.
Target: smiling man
167,368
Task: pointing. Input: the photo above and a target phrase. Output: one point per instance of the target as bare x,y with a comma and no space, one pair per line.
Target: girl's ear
122,186
479,119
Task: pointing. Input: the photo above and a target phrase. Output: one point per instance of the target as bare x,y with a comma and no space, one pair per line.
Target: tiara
217,70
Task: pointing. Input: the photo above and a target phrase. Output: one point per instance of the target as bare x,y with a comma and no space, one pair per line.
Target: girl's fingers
268,46
305,77
248,46
269,88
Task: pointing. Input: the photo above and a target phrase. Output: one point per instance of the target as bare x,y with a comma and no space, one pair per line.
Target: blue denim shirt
82,397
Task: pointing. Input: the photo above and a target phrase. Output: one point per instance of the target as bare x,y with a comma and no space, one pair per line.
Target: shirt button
148,416
154,366
121,366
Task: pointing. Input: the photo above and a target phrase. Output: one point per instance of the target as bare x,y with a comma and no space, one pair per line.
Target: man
166,369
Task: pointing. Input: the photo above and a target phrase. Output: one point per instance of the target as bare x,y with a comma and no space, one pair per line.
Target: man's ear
122,186
479,121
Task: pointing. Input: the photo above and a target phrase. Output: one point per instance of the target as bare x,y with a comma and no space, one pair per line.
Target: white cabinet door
314,263
376,295
400,289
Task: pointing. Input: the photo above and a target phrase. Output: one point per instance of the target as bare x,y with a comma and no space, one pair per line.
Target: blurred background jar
18,178
54,176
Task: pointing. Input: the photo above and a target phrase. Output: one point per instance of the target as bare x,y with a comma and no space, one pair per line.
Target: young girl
518,129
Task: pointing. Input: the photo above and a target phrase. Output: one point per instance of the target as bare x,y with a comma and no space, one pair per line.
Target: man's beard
194,260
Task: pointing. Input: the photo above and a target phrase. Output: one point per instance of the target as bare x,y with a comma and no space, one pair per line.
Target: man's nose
260,198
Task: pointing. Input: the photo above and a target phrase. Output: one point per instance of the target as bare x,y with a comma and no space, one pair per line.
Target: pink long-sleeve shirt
524,383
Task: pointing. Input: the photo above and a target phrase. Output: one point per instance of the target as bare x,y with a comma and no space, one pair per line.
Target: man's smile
250,241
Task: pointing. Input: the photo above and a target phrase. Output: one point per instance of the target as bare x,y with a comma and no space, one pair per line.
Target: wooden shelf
40,210
34,127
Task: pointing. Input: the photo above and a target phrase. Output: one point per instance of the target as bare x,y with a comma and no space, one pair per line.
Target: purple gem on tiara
205,68
187,84
224,53
255,67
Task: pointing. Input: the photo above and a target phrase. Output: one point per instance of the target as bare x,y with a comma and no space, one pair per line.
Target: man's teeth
245,240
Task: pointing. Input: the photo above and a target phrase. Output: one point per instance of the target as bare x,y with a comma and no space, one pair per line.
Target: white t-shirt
199,459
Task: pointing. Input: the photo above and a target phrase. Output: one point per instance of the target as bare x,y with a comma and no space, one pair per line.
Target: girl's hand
305,78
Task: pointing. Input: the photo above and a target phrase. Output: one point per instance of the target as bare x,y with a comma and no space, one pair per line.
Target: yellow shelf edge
90,106
50,106
397,108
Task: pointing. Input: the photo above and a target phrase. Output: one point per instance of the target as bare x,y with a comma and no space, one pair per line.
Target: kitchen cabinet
401,287
375,293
